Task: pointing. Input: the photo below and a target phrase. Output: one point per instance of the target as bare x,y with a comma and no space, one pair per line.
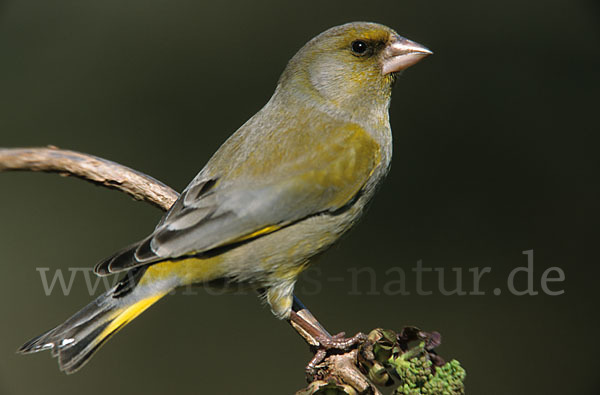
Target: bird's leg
317,336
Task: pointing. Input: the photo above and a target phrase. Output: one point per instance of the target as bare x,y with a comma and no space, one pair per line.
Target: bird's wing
216,211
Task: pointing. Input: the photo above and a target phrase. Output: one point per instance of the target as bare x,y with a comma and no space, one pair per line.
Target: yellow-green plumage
282,189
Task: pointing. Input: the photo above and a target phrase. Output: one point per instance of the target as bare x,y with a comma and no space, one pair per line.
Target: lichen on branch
388,359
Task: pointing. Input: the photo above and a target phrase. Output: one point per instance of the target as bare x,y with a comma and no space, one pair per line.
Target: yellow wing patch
260,232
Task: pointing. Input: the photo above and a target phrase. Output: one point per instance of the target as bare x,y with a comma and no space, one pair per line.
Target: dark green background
495,152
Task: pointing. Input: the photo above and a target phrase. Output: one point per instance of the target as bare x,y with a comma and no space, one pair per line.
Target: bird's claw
311,368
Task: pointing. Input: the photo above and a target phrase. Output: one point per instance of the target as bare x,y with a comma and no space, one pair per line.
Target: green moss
418,377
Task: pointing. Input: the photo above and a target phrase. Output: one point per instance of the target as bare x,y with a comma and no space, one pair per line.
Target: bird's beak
401,53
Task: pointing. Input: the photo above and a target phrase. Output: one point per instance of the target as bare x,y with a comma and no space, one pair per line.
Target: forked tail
76,340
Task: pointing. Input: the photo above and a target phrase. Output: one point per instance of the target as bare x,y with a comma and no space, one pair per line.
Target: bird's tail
76,340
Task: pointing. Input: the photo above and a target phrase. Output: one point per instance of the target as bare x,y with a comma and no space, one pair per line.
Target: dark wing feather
141,252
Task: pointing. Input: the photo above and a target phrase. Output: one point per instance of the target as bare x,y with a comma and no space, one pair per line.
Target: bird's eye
359,47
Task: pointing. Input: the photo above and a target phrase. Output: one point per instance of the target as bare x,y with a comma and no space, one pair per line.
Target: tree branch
90,168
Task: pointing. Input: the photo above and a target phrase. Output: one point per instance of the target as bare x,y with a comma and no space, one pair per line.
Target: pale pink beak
401,53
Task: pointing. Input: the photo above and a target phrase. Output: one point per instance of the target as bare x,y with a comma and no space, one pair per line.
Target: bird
278,192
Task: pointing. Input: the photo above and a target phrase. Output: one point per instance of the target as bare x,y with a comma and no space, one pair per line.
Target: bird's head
352,66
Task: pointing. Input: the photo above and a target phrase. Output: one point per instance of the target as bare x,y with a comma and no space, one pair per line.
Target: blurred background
495,153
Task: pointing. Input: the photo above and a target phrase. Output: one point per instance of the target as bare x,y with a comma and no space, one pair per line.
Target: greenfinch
282,189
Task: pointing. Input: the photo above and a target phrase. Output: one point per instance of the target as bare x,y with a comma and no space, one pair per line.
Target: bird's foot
337,344
340,342
321,342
